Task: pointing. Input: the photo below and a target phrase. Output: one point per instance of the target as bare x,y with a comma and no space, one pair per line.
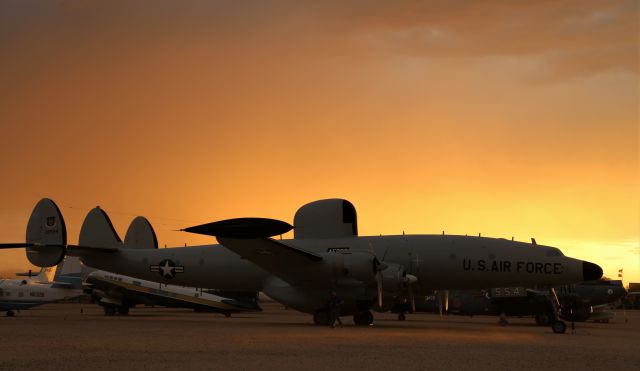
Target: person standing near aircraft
335,302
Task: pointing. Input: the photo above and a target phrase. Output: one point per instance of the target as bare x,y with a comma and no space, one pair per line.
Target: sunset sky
509,118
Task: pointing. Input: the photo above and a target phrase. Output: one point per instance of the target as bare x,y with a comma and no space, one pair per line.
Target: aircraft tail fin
68,273
140,235
46,235
45,275
97,231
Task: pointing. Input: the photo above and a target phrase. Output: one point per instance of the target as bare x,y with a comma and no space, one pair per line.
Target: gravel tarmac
79,337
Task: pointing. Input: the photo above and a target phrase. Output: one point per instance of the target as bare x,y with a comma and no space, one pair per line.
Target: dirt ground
62,337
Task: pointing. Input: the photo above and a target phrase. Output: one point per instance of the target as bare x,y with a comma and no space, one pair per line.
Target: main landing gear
10,313
557,325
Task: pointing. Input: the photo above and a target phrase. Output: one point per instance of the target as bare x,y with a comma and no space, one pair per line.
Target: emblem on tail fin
167,268
51,222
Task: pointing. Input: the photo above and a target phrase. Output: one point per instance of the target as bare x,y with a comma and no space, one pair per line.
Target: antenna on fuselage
533,241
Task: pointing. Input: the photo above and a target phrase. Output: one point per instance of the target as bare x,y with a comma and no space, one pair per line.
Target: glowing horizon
506,119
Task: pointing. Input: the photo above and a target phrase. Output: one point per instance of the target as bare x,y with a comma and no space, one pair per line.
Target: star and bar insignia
167,268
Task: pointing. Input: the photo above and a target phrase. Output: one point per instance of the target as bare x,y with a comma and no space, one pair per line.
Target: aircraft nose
591,271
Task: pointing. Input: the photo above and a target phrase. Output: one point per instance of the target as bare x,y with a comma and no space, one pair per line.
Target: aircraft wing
77,250
284,261
250,238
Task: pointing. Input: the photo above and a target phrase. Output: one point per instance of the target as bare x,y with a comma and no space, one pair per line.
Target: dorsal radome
331,218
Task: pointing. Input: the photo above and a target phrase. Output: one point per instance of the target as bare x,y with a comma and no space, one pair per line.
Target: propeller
410,279
378,267
443,301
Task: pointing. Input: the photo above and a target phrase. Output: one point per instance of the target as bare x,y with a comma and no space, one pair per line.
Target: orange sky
507,118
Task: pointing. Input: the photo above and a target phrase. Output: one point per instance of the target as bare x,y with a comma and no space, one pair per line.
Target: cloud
574,38
567,38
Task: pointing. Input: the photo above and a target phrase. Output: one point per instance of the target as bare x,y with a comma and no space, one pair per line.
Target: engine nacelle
394,278
357,266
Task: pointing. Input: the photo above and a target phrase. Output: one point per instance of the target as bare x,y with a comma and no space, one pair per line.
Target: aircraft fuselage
438,261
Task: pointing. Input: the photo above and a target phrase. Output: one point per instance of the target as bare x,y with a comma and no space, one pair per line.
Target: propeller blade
412,299
379,284
446,300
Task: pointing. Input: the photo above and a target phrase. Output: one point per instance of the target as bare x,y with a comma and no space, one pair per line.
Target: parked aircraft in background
25,293
117,293
576,301
325,255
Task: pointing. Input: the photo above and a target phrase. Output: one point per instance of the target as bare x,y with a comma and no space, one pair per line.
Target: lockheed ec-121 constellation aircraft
326,254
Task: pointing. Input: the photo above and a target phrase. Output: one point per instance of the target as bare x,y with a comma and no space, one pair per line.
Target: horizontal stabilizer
242,228
26,274
73,248
15,245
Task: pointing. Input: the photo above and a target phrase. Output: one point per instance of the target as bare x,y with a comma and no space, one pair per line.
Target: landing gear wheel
363,318
123,310
559,327
321,318
227,314
10,313
401,317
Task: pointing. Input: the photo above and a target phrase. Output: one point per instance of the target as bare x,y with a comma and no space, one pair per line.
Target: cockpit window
552,251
